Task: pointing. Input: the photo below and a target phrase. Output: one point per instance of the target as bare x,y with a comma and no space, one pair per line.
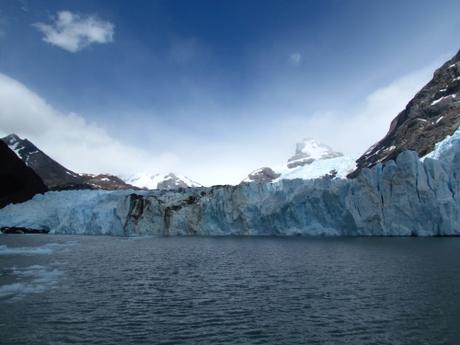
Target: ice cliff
407,196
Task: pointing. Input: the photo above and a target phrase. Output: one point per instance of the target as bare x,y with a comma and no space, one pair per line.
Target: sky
212,89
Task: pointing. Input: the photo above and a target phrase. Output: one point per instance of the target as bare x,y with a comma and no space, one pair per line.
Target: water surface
106,290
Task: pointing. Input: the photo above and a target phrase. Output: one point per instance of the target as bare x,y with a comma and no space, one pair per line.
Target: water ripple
237,291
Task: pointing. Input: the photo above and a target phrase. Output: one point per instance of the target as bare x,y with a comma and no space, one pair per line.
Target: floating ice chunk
31,279
46,249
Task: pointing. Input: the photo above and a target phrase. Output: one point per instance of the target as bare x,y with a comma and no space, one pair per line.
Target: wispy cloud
295,59
73,32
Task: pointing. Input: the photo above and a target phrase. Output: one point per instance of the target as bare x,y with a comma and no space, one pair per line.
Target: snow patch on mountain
335,167
308,151
161,181
311,160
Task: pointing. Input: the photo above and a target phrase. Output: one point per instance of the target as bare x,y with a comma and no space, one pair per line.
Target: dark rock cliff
18,182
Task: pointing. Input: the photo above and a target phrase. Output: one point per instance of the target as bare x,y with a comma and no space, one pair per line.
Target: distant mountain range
58,177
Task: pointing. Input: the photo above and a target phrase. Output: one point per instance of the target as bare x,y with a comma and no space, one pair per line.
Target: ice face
404,197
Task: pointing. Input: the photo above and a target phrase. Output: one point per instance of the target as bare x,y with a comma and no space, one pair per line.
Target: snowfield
161,181
338,167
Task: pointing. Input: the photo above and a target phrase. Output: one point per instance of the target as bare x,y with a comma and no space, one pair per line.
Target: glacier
446,149
404,197
338,166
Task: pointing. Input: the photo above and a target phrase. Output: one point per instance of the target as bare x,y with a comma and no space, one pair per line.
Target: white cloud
295,59
73,32
69,138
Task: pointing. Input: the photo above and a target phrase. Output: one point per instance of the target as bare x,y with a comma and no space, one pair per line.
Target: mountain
56,176
431,116
18,182
264,174
311,159
308,151
51,172
161,181
405,196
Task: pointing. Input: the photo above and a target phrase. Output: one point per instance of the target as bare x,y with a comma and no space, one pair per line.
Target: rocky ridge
432,115
56,176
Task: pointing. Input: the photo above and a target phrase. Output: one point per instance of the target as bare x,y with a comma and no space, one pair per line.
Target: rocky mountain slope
56,176
51,172
18,183
432,115
310,160
262,175
161,181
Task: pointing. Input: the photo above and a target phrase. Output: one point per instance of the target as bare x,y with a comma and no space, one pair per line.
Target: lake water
106,290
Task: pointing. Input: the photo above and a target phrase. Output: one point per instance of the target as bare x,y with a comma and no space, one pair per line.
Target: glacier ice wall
402,198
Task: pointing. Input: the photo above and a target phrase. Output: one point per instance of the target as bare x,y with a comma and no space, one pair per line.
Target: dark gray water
104,290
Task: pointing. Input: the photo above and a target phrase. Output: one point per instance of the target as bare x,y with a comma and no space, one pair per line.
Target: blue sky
214,89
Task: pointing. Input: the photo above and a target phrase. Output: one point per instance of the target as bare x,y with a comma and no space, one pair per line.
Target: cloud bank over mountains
69,138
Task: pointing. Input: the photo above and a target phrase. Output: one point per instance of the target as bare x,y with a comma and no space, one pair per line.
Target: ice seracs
446,148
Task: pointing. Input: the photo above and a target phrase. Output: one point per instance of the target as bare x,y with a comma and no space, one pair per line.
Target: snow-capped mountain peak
309,150
311,160
23,148
53,174
11,139
161,181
